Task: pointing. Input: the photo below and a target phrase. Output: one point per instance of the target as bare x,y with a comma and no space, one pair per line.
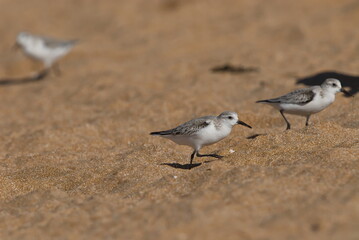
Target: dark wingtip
261,101
158,133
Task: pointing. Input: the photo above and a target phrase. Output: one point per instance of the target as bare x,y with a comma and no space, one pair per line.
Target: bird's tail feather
268,101
160,133
262,101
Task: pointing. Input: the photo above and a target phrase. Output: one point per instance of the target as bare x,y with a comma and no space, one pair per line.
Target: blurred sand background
76,158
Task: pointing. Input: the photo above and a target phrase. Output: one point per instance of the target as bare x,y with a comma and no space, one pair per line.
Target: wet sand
76,157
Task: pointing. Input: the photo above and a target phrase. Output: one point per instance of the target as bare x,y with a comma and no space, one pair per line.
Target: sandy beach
76,157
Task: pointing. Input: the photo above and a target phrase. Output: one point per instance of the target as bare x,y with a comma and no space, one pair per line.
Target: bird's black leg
288,124
192,157
40,75
209,155
307,121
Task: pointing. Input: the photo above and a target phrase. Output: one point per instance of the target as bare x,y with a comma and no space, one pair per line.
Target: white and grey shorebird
202,131
306,101
45,49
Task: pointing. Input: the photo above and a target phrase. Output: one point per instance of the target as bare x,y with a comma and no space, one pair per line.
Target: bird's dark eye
230,117
334,85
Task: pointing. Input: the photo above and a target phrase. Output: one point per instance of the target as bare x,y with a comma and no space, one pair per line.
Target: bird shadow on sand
182,166
30,79
188,166
229,68
254,136
347,81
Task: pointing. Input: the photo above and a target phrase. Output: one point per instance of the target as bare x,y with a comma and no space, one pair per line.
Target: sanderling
306,101
202,131
45,49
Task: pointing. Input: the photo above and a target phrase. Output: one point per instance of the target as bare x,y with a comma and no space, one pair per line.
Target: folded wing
188,128
300,96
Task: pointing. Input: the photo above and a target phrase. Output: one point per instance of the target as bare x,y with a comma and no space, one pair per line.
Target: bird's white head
23,38
332,85
231,119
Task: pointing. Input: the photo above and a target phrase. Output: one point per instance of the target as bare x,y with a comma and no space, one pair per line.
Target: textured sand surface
76,158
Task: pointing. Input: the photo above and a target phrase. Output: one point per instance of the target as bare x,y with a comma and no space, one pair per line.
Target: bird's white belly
210,135
48,55
317,105
203,137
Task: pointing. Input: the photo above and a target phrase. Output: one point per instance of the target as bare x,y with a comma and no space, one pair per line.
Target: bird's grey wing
300,96
53,43
188,128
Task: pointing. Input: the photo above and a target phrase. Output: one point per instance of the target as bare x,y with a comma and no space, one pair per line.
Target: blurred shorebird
45,49
306,101
202,131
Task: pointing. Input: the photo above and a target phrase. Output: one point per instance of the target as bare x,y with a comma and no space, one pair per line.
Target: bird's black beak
243,123
346,92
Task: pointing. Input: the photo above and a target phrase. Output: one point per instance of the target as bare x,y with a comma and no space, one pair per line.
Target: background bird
306,101
45,49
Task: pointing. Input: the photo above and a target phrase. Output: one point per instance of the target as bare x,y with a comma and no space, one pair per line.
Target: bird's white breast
38,50
205,136
211,134
319,102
